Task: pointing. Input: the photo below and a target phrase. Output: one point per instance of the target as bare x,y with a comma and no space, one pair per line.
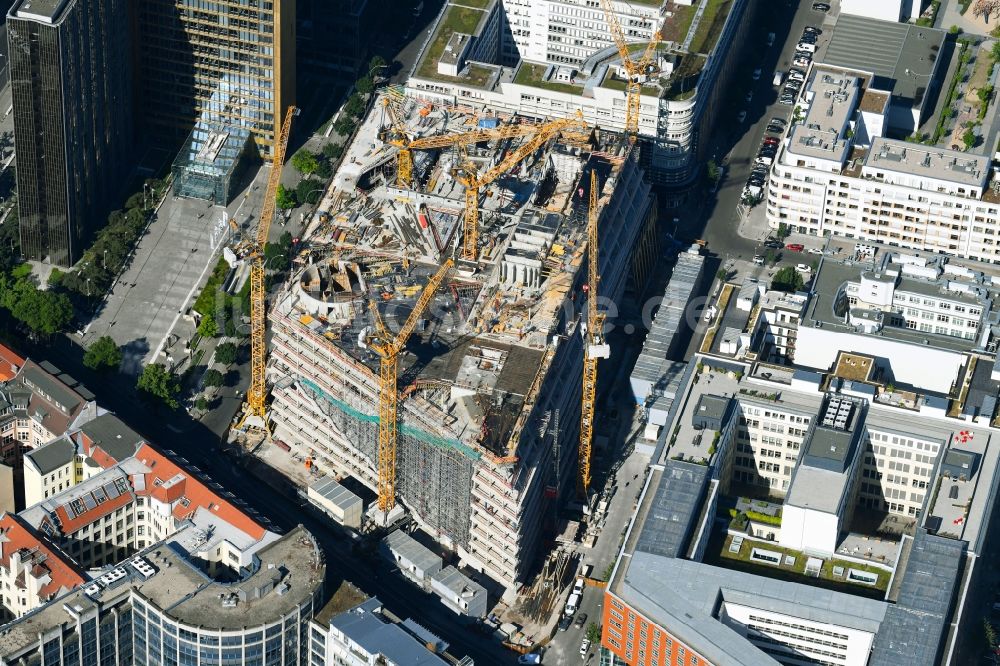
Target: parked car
584,647
742,116
770,141
813,30
786,100
814,250
756,74
777,78
808,38
565,622
803,268
758,260
821,7
795,247
775,129
800,61
749,96
533,658
581,619
805,46
770,39
778,120
773,244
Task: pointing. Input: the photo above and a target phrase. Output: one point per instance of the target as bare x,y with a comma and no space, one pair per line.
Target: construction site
432,343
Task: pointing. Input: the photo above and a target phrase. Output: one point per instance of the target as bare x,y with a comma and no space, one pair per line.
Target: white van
806,46
779,76
578,586
572,605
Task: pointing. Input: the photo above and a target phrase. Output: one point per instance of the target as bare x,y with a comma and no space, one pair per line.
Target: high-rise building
216,63
71,87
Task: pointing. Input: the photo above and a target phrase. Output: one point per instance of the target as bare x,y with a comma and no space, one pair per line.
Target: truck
572,604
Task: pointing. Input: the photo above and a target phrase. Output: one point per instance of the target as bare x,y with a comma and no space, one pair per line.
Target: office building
837,175
796,523
551,58
226,64
476,463
354,630
71,92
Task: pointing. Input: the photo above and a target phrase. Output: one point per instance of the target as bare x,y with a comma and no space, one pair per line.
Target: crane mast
388,348
634,69
594,347
474,182
254,415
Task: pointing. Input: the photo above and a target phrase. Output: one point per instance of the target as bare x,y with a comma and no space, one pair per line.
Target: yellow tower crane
254,414
594,346
475,182
636,70
388,348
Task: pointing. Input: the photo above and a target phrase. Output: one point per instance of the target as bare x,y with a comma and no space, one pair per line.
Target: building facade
71,91
553,58
231,64
835,175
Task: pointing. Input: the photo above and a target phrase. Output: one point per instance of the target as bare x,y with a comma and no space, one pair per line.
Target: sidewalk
753,222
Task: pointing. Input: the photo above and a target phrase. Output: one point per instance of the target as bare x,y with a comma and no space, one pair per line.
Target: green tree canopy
969,138
103,355
787,279
332,151
213,377
364,85
344,125
324,170
308,191
201,404
377,62
208,327
225,353
159,383
285,198
355,106
44,312
304,161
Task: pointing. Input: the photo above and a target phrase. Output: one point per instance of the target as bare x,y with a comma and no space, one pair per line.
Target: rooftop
42,557
364,626
412,550
833,96
942,164
902,56
52,456
111,435
46,11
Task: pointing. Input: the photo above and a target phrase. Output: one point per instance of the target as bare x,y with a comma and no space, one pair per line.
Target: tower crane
254,414
474,182
636,70
594,346
388,348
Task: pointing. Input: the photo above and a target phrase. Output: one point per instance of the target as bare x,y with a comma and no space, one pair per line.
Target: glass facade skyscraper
71,87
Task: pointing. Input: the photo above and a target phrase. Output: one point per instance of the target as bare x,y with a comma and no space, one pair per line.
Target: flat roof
914,627
415,552
373,634
676,501
833,97
334,493
954,166
46,11
454,580
902,57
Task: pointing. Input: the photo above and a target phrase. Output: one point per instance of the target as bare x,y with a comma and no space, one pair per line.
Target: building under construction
490,383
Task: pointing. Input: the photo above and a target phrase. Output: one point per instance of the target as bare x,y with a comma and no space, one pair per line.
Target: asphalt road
715,218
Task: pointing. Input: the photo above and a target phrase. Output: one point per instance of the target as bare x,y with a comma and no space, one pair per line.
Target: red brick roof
69,524
197,494
63,573
10,363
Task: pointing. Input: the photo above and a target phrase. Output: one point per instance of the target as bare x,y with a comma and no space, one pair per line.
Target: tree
324,170
308,191
364,85
986,8
593,633
103,355
333,151
208,327
159,383
344,125
787,279
304,161
377,62
355,106
285,198
213,378
225,353
201,404
985,93
712,171
721,274
783,230
969,138
44,312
